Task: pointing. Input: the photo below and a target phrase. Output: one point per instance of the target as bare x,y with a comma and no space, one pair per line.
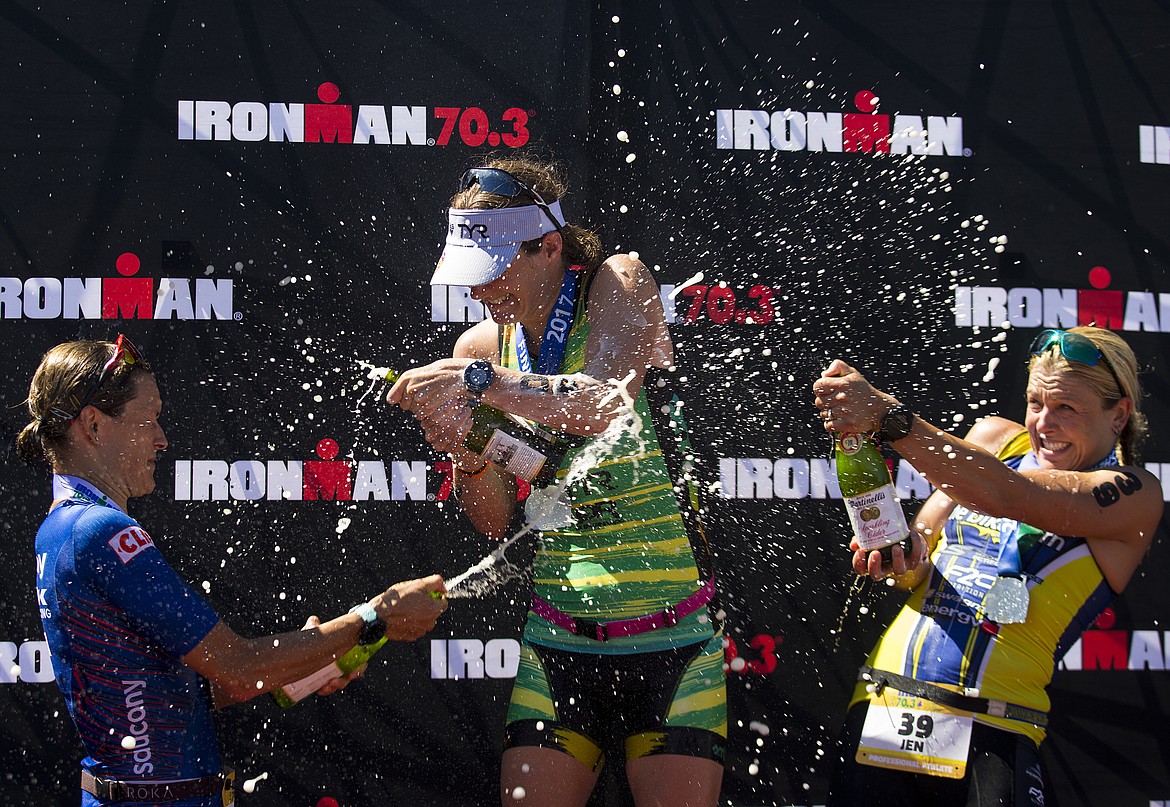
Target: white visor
481,243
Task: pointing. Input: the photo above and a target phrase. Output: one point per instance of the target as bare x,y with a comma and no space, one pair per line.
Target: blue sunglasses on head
501,183
1075,347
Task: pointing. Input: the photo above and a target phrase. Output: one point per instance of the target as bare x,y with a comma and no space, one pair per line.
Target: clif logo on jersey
324,478
995,306
125,297
331,122
129,543
837,132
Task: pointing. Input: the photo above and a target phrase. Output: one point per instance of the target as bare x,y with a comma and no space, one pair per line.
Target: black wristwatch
373,629
896,423
478,376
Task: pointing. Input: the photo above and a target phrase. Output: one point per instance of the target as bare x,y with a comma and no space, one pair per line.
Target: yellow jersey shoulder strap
1017,446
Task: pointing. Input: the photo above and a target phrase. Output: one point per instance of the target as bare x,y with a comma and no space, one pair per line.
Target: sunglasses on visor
501,183
1075,347
124,351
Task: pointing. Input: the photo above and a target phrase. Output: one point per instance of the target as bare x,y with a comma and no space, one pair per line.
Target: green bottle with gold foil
870,500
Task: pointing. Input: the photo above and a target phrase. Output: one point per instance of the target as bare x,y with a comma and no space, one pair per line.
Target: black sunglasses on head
501,183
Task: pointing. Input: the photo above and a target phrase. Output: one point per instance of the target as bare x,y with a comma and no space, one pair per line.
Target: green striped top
621,550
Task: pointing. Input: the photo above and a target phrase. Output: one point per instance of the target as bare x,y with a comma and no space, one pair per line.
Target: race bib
907,733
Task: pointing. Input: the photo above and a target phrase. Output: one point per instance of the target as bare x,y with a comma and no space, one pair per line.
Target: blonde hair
66,373
1101,380
581,247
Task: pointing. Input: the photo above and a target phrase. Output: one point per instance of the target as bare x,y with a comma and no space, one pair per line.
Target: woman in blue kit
1033,529
140,656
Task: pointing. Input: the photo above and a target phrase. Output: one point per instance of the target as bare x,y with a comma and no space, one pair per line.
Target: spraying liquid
544,506
690,281
494,570
854,589
250,785
376,374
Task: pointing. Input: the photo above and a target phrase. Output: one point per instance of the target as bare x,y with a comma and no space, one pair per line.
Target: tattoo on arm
539,383
1125,483
565,386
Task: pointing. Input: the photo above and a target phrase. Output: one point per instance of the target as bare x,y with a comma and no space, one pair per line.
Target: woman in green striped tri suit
621,652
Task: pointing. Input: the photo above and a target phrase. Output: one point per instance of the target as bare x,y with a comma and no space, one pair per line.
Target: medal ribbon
556,332
1009,564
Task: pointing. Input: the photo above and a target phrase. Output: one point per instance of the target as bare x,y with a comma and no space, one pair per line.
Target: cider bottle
868,491
290,694
506,441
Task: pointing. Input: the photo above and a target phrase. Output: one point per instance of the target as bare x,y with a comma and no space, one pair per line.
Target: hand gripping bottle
527,453
506,441
874,512
289,694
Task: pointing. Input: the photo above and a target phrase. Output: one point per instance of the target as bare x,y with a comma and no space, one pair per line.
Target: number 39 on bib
907,733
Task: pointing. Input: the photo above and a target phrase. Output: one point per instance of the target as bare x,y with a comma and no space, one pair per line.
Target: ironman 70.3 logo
331,122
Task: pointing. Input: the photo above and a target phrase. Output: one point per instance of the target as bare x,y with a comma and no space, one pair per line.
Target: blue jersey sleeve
133,574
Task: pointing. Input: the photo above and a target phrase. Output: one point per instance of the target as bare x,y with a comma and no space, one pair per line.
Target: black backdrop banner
255,195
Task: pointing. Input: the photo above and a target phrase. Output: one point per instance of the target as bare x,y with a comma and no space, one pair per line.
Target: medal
1006,602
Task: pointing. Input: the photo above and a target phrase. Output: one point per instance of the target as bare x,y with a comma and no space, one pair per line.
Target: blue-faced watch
373,628
478,376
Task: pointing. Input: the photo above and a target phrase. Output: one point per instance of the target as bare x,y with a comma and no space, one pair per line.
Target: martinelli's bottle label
505,441
870,499
512,446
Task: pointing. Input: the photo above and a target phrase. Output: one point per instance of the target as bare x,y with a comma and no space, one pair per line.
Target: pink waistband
602,631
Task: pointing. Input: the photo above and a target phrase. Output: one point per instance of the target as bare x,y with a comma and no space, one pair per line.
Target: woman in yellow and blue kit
620,650
1032,530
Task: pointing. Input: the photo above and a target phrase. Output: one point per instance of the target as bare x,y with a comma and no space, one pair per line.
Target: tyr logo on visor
469,230
482,243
